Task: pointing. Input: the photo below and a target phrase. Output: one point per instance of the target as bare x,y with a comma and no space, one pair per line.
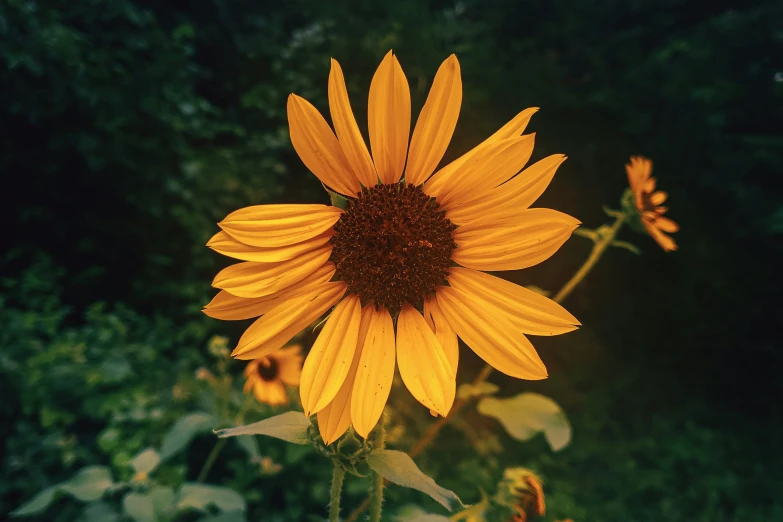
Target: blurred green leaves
528,414
183,431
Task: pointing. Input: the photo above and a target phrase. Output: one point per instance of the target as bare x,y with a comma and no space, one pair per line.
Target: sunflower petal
666,242
475,178
529,312
223,243
229,307
318,148
658,198
446,336
272,226
280,324
335,418
490,335
348,134
389,118
436,123
513,196
375,371
329,360
666,224
250,279
424,368
539,233
512,129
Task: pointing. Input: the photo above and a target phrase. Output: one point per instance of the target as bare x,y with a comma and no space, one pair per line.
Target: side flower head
268,375
648,202
402,266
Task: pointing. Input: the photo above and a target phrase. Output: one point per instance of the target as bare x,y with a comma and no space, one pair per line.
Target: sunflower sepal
350,453
632,216
337,200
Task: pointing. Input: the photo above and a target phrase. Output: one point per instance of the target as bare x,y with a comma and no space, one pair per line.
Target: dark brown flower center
268,369
393,246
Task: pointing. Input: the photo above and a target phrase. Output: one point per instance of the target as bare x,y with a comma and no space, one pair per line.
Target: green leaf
589,233
399,468
89,483
199,496
38,503
338,200
183,431
162,498
100,511
290,426
146,461
626,245
468,390
227,516
250,445
139,507
527,414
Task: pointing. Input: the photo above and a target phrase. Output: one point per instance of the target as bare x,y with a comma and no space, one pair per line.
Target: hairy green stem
338,474
376,504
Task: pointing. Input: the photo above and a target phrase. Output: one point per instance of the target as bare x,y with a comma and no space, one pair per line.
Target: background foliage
130,127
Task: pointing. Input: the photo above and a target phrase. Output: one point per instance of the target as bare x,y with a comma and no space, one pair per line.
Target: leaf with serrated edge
399,468
183,431
527,414
290,426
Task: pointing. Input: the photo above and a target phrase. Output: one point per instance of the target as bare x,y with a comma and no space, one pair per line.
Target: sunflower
648,202
401,265
268,375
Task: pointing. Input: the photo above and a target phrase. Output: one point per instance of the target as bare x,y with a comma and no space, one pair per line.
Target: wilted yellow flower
528,493
403,263
648,202
268,375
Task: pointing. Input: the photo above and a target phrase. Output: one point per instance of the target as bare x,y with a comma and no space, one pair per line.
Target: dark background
129,128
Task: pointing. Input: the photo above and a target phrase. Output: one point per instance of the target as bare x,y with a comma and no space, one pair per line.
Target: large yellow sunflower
403,263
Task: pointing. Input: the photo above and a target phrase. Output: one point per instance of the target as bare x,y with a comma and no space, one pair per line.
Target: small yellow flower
403,266
648,202
268,375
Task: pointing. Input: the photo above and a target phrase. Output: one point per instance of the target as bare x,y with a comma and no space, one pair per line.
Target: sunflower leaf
399,468
184,430
589,233
138,506
469,390
527,414
290,426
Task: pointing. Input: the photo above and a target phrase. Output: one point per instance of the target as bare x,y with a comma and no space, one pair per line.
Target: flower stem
202,475
599,247
338,474
376,504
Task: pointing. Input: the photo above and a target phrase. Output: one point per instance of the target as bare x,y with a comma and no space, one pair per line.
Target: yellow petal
228,246
329,360
666,242
250,279
289,364
272,226
335,418
389,118
318,147
638,170
482,172
375,371
278,326
658,198
529,312
491,336
347,130
436,123
666,224
424,368
445,334
513,128
229,307
517,194
538,234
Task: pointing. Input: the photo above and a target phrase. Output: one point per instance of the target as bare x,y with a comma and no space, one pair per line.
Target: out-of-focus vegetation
130,127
